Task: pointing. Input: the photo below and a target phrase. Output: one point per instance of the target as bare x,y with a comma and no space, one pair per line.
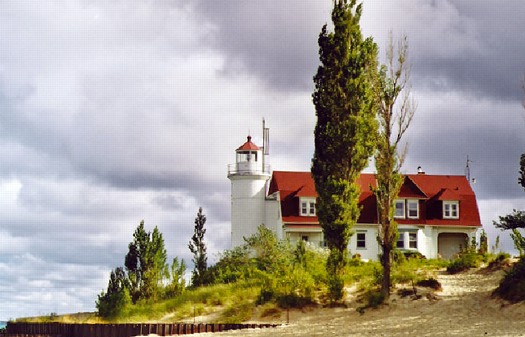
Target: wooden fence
119,330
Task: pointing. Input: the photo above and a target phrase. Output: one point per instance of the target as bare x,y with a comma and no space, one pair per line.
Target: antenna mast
467,171
266,142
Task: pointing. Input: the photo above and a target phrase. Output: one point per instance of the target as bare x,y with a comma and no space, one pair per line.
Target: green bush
431,283
512,287
464,262
501,260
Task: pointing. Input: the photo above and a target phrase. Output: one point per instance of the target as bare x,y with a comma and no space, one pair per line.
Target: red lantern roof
248,146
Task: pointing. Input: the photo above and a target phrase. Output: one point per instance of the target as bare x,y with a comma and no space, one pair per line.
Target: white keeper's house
436,214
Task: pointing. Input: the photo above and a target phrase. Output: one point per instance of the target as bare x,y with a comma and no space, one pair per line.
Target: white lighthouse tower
248,176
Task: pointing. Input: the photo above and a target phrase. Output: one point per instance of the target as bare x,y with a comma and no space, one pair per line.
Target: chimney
420,170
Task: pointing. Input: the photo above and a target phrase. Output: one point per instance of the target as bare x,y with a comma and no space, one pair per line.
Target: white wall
248,205
372,247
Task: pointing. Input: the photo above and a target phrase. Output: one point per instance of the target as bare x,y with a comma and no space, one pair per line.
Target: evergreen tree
198,248
110,303
135,261
345,132
395,113
146,263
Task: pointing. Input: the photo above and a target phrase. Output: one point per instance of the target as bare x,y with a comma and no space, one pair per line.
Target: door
449,244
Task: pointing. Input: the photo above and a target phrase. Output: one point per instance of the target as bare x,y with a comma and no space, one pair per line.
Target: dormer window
450,210
400,209
413,209
406,208
307,206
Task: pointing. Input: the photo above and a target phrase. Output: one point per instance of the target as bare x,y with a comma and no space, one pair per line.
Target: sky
113,112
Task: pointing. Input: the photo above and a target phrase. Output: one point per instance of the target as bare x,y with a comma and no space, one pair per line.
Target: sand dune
463,308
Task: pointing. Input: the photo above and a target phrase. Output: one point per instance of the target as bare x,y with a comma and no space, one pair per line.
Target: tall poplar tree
396,110
197,246
345,132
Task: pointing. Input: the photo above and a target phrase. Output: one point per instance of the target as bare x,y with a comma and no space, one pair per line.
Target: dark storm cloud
475,47
277,41
447,129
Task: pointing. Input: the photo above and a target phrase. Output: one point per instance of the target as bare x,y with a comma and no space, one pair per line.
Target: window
304,238
361,240
401,240
412,240
400,209
407,240
304,207
450,210
307,207
413,209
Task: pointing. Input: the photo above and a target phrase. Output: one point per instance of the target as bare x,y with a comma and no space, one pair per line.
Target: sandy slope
463,308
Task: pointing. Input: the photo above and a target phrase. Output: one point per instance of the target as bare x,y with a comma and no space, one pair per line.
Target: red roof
431,190
248,145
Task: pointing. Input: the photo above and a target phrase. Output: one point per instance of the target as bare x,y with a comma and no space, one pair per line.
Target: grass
195,302
239,301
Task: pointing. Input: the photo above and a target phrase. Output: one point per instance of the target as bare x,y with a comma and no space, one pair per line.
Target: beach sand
463,308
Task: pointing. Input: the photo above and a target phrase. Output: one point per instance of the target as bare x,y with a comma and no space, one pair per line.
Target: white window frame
401,239
358,240
407,240
307,207
312,208
303,208
448,209
412,240
409,203
402,202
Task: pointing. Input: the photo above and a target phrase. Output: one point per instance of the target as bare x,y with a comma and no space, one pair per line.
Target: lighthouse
248,177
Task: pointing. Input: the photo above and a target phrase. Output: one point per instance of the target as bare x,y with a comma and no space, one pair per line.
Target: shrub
431,283
112,302
464,262
501,260
512,287
373,298
413,254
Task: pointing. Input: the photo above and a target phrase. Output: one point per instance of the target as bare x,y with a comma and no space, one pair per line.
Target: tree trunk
386,262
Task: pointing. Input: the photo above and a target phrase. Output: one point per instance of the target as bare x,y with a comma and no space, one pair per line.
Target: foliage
468,257
499,261
112,302
464,262
513,222
146,264
233,266
177,283
483,243
197,246
519,241
512,287
429,283
144,276
286,275
394,120
345,130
